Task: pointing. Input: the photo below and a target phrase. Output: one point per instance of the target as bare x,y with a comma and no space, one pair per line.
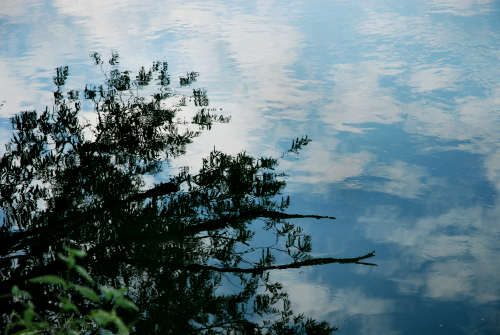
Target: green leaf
107,292
126,304
28,315
84,273
69,306
122,329
70,260
76,252
24,294
111,293
101,317
49,279
18,293
15,290
87,292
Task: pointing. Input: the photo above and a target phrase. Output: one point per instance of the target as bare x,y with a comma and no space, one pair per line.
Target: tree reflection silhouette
173,245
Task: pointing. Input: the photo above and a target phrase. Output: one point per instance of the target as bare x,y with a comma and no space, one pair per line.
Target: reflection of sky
401,99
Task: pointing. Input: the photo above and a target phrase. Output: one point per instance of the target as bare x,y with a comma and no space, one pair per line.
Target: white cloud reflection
322,163
12,91
461,7
262,48
359,98
400,179
15,9
434,79
323,302
245,57
450,257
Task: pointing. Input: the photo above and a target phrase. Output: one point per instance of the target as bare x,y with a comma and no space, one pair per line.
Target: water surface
401,100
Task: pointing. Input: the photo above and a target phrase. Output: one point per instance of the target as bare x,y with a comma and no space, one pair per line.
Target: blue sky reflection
401,100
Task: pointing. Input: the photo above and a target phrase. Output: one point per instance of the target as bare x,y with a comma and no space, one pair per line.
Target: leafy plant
81,307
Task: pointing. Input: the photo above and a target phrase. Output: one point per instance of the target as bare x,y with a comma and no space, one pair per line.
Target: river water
401,100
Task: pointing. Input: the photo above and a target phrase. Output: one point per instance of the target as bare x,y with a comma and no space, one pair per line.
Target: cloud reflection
321,163
245,55
400,179
324,302
453,256
359,98
433,79
461,7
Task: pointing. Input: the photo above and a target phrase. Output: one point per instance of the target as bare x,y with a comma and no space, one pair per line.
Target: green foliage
69,319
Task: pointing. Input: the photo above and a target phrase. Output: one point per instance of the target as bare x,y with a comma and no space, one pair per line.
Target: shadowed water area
223,161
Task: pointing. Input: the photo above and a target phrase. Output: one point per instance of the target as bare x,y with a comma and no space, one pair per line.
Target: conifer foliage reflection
175,245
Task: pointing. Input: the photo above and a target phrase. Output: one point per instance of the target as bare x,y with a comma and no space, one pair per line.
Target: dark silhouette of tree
176,245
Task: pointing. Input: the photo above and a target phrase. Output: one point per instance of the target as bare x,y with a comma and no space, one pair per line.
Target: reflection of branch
280,215
225,221
261,269
158,190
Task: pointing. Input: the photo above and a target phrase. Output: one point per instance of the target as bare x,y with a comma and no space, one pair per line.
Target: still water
400,98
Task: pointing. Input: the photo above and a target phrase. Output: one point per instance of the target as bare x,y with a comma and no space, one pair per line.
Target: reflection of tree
176,245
